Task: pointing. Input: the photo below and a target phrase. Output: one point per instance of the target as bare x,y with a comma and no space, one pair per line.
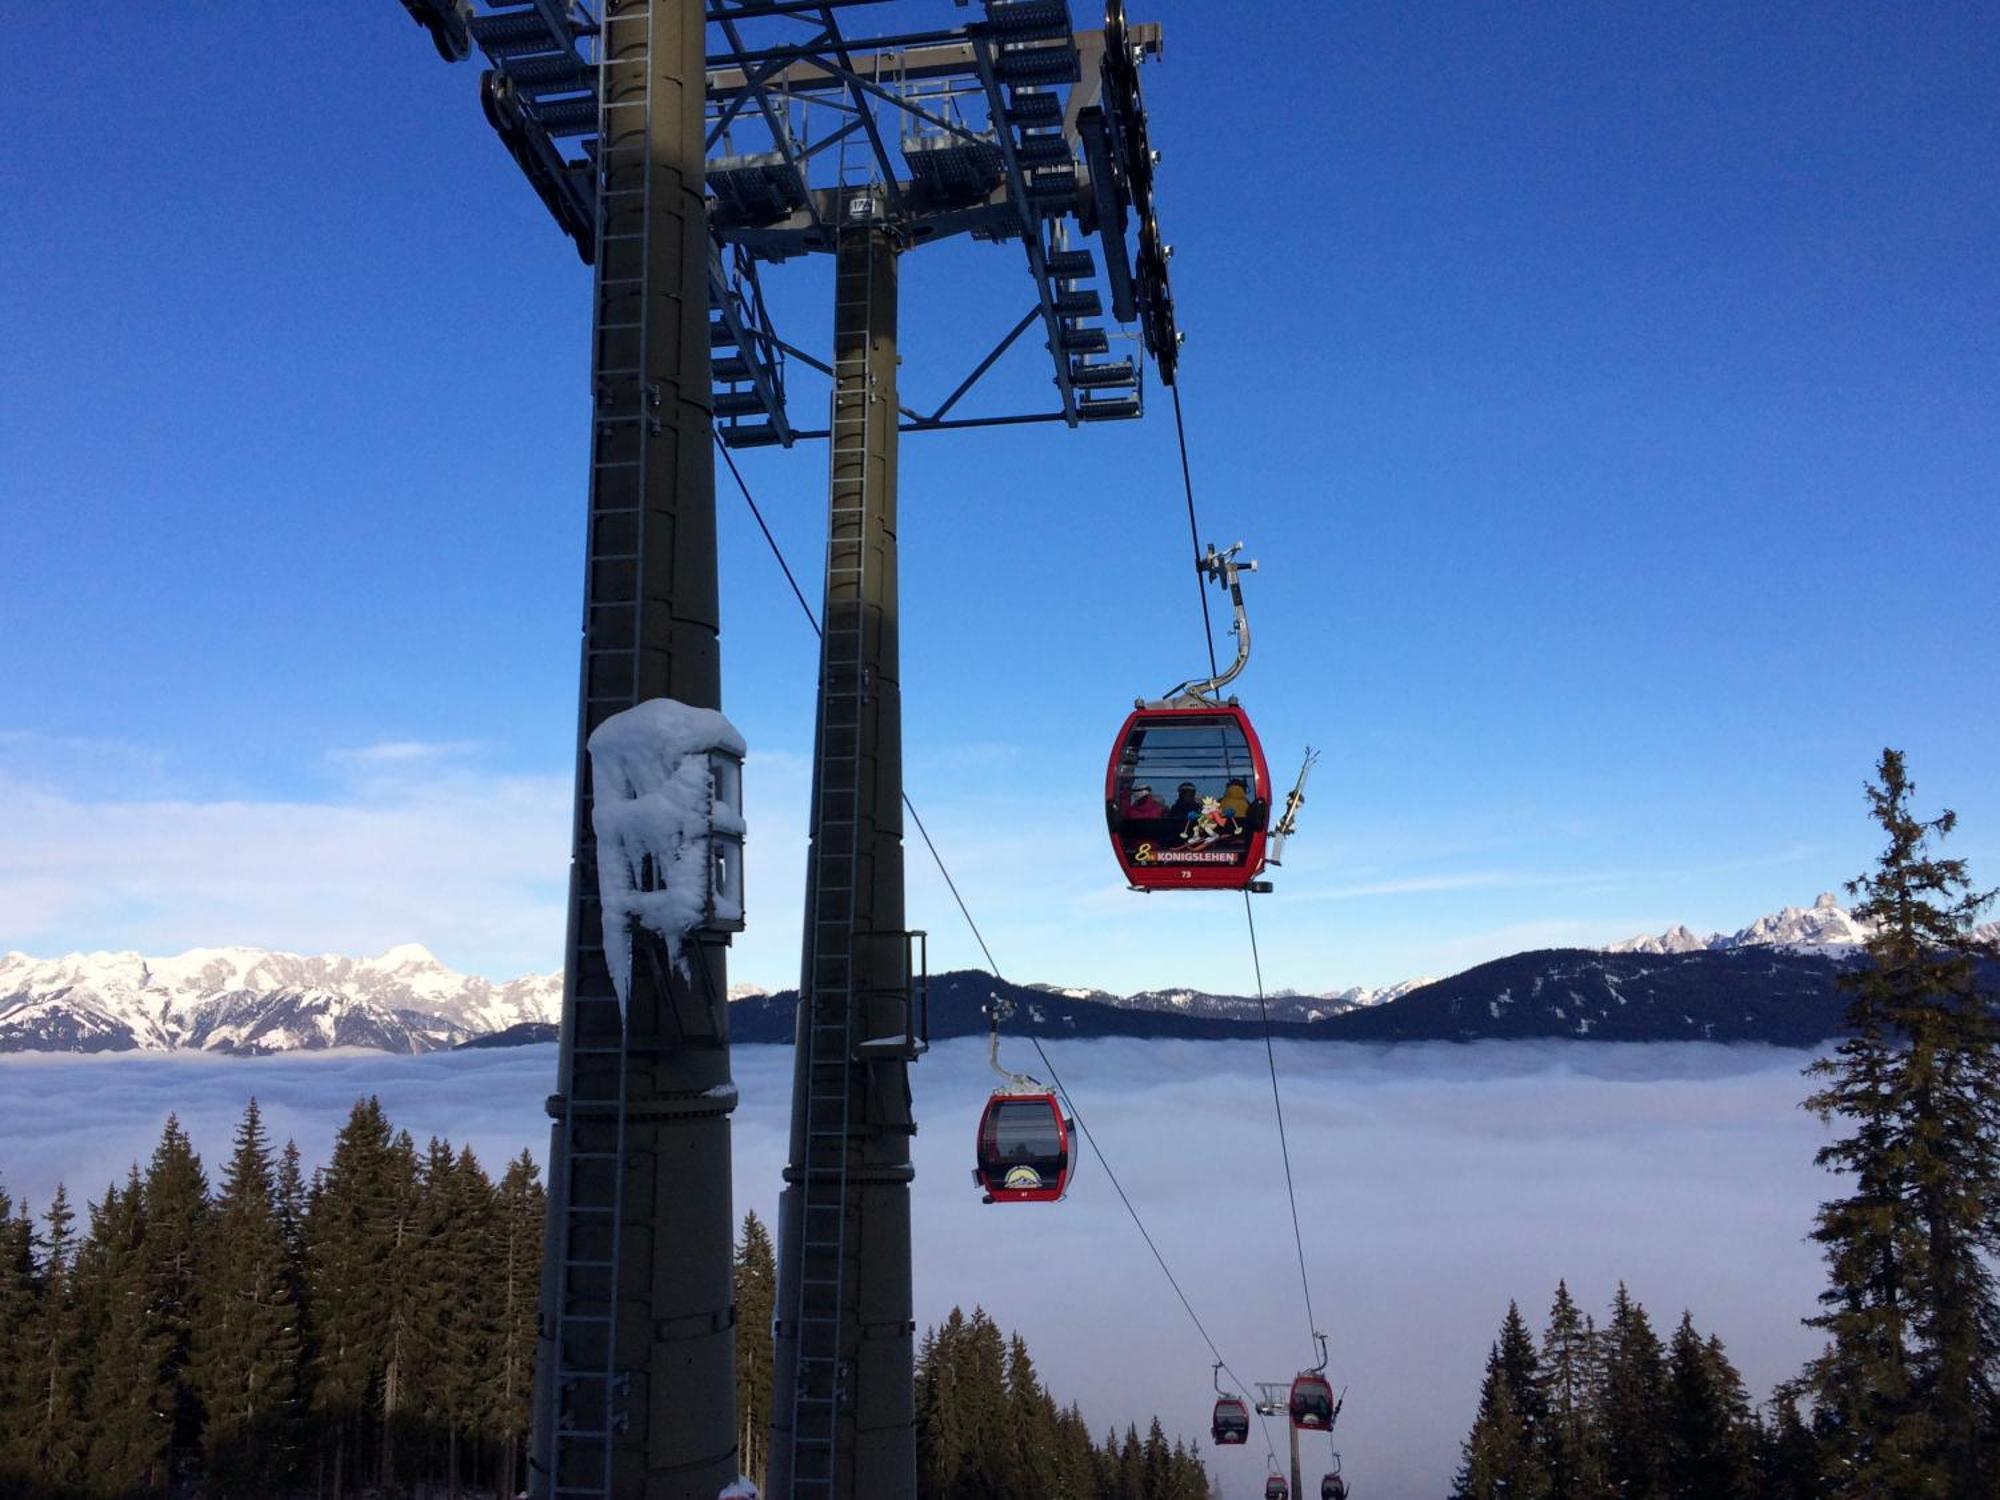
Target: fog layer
1434,1182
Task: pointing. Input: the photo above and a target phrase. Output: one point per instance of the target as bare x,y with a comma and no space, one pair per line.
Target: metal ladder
829,1034
589,1214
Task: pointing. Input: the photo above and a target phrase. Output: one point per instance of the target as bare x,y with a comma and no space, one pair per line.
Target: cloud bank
1435,1182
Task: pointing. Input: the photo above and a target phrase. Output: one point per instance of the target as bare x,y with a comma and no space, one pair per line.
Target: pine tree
128,1401
176,1208
1631,1398
942,1441
246,1348
1571,1453
1076,1457
1791,1462
1710,1448
350,1241
1500,1459
1030,1425
18,1303
400,1350
756,1293
292,1200
518,1264
53,1429
982,1396
1904,1386
1131,1466
453,1316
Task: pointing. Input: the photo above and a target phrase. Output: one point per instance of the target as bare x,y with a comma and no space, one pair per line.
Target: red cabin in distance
1187,799
1024,1149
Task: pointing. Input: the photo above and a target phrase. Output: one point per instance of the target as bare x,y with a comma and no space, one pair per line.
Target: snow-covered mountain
1824,927
1362,996
252,1000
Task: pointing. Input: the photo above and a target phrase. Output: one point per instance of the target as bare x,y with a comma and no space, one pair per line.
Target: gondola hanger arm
1223,570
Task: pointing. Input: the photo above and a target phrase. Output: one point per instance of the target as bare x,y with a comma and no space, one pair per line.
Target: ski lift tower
1274,1399
1011,125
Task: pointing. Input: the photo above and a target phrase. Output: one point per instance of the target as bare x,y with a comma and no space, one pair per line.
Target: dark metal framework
1011,127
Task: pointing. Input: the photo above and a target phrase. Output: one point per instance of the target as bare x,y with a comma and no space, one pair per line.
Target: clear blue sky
1611,394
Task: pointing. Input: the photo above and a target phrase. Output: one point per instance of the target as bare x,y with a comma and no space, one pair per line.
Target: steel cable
994,969
1250,920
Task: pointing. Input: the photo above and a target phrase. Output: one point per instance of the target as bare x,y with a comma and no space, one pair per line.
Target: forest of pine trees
1903,1403
987,1429
264,1335
1590,1413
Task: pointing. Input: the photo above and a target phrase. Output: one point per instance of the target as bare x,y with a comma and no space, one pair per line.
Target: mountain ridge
1773,980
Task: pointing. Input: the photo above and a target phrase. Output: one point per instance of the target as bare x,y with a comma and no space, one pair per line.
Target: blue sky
1609,394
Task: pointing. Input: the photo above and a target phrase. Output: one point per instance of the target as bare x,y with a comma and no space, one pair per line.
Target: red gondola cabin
1231,1422
1187,798
1275,1488
1024,1149
1312,1402
1333,1487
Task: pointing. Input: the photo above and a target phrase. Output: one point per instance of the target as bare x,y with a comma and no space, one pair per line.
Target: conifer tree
1710,1442
246,1346
1571,1453
18,1302
55,1440
1156,1458
1131,1466
982,1395
452,1317
518,1265
1500,1458
1630,1400
176,1208
942,1441
1904,1387
350,1241
756,1293
127,1401
1076,1457
1031,1426
400,1350
1791,1462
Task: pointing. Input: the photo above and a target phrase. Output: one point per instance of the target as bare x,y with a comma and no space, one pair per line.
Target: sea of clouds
1434,1182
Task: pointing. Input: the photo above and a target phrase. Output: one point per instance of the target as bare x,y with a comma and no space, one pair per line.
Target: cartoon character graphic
1212,821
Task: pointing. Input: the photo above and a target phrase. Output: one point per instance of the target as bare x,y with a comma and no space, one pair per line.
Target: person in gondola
1144,804
1187,803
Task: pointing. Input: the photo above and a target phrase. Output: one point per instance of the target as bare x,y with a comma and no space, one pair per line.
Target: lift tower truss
801,139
